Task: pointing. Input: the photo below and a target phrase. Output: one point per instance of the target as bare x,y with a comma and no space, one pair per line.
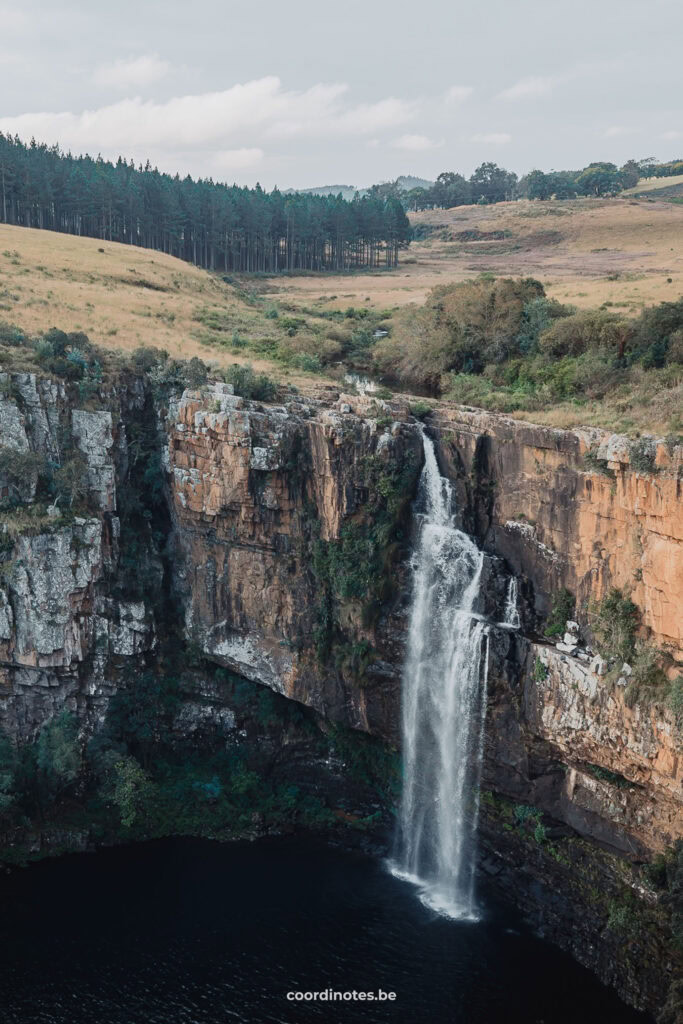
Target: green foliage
597,465
540,670
561,609
71,478
614,622
58,754
17,468
605,775
540,833
648,682
642,454
622,917
248,384
420,410
358,567
676,701
524,813
131,790
140,715
229,228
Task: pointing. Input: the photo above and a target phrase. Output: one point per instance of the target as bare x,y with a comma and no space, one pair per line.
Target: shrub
18,468
307,362
145,357
588,329
562,608
642,455
131,789
676,701
540,670
11,335
420,410
614,622
248,384
195,373
71,479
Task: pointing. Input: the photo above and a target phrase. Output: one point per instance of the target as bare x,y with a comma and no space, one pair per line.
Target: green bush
562,608
614,622
420,410
540,670
248,384
642,455
676,701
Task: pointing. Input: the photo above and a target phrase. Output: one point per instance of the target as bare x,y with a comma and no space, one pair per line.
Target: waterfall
511,612
444,704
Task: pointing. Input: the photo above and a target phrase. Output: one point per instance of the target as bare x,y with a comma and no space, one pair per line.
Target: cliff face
562,519
284,558
255,492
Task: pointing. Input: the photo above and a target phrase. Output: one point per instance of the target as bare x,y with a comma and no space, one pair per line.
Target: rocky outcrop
562,738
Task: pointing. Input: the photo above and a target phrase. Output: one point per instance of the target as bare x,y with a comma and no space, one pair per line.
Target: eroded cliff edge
273,541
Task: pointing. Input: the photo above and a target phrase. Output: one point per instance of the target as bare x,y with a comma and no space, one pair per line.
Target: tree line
493,184
213,225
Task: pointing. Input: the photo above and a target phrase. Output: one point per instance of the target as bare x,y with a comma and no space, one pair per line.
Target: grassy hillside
615,256
657,187
124,297
585,251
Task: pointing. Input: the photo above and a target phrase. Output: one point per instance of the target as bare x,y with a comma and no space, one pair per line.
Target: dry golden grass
625,253
122,297
652,184
586,252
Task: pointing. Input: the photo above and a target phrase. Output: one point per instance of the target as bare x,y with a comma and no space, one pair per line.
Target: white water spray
444,705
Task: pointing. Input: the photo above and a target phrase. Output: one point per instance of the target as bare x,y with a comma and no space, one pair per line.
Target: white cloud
458,93
372,117
244,114
671,136
493,138
237,159
529,87
415,143
133,72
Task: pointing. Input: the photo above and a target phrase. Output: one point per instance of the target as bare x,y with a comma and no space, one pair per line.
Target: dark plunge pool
189,931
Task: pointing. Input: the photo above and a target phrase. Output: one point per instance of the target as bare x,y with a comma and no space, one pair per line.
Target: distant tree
451,189
629,174
562,184
492,183
538,185
599,179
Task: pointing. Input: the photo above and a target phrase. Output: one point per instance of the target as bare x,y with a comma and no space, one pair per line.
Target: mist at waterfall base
188,931
443,705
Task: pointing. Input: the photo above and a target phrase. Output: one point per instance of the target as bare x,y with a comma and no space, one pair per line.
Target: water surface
193,932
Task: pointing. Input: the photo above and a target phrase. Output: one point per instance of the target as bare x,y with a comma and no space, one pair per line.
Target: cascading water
511,613
444,703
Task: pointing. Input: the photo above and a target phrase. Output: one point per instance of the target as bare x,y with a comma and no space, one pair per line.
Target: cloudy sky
305,93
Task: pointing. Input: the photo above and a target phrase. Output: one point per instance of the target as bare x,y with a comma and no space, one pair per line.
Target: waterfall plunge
444,704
